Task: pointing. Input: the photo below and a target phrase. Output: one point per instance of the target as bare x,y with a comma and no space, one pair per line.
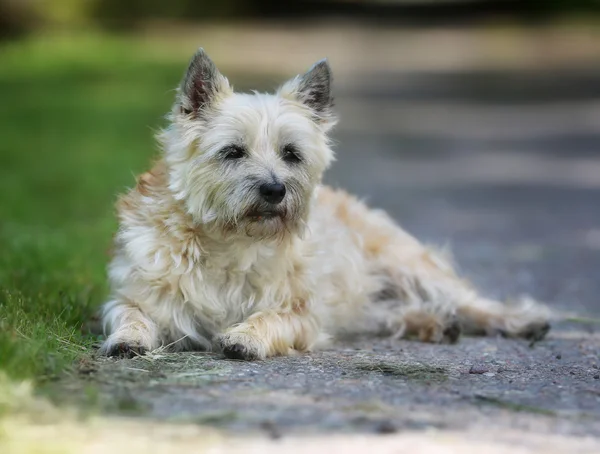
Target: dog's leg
524,318
131,332
444,320
270,333
436,304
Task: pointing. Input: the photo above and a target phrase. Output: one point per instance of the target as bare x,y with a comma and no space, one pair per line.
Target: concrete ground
504,167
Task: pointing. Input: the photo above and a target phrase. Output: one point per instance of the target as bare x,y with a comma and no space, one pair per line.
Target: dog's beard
260,222
266,222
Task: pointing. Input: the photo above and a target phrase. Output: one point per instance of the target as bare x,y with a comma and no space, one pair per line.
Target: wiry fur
196,267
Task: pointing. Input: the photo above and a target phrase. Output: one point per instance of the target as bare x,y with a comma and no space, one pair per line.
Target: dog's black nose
272,192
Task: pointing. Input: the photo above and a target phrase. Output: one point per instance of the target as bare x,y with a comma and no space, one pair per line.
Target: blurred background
475,123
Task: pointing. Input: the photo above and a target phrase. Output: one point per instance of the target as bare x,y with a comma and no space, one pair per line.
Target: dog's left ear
314,90
202,85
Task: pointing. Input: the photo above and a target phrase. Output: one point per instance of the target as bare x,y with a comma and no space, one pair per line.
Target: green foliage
119,14
76,122
27,15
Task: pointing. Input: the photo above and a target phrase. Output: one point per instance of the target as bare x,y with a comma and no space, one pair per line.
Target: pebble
597,377
559,356
478,370
271,429
489,374
386,427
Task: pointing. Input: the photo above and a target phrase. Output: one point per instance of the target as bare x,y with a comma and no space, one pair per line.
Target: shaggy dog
232,243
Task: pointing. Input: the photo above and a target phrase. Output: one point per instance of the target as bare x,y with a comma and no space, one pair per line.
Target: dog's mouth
264,222
264,215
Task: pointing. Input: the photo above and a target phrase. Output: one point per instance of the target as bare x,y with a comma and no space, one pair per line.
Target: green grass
77,118
583,320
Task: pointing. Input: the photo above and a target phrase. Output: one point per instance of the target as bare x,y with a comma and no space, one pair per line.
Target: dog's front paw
238,351
124,350
120,348
241,346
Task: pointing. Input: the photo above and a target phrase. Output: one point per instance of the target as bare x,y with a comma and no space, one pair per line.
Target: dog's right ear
202,85
313,89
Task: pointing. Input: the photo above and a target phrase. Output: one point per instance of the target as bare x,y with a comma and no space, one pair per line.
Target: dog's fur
202,261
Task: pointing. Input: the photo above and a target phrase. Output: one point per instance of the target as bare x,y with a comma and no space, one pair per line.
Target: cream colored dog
231,241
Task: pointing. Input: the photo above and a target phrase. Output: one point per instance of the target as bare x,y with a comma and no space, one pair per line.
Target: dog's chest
225,288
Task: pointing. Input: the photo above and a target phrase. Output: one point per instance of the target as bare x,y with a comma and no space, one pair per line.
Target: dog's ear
314,90
202,84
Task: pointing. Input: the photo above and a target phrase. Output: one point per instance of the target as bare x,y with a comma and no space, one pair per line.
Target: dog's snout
272,192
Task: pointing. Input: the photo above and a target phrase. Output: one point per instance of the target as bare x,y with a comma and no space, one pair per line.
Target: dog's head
248,164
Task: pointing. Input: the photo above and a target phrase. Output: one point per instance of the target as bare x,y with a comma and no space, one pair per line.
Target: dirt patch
516,407
416,372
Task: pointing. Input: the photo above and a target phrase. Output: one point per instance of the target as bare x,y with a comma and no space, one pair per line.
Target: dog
232,243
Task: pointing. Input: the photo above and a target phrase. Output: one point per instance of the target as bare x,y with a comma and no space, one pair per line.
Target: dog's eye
291,154
233,152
